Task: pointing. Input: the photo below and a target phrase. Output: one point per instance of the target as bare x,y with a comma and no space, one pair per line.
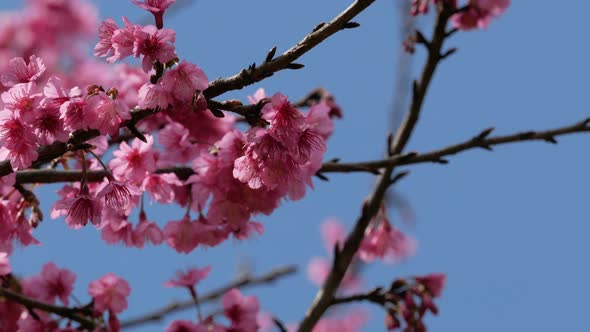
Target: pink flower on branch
184,80
241,310
81,208
190,278
134,162
156,7
154,45
52,283
479,14
4,264
387,243
110,293
118,194
19,71
106,113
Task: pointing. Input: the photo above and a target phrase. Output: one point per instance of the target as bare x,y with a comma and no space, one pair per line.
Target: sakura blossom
110,293
189,278
4,264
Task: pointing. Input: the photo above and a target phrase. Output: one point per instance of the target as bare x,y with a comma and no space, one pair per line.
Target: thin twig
70,313
242,282
374,166
255,74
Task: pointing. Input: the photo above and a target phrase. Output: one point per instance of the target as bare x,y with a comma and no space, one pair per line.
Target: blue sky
508,227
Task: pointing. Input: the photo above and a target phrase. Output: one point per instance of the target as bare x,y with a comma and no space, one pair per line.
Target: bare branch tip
295,66
351,25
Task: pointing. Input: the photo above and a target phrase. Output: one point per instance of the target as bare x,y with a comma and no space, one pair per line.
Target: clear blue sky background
508,227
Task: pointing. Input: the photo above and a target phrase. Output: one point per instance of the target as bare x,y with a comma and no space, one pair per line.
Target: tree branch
374,166
70,313
242,282
343,257
219,86
255,74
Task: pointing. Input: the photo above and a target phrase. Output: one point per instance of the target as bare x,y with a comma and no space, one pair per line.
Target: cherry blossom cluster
242,312
142,124
476,14
53,286
237,175
382,241
407,301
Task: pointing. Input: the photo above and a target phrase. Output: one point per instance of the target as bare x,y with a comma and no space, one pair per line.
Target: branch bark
343,258
69,313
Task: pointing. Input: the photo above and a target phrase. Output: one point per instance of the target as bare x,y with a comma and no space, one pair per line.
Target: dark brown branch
436,156
69,313
343,257
242,282
255,74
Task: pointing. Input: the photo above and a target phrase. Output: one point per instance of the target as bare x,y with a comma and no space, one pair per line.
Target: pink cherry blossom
75,114
258,96
184,80
184,326
53,283
22,99
4,264
147,231
117,194
434,282
116,228
18,139
107,113
154,6
332,232
123,40
81,208
479,14
180,235
385,242
241,310
190,278
161,187
154,96
351,321
318,269
48,125
154,45
134,162
110,293
104,47
21,72
174,137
